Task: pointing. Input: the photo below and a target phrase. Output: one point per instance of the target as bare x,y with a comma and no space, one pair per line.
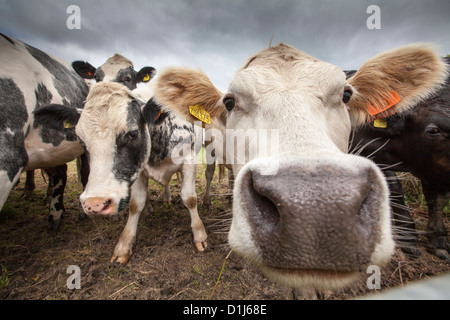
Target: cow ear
153,113
57,116
84,69
146,74
177,89
395,81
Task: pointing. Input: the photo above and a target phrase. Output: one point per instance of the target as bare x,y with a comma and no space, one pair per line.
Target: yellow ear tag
146,78
380,123
67,124
200,113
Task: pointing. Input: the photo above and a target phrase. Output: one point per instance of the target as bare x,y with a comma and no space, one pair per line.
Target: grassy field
165,264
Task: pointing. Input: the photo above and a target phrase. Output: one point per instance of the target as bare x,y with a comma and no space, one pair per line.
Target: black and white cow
115,69
30,79
128,142
121,70
418,141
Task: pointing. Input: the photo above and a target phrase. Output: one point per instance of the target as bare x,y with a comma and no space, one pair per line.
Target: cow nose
98,205
314,218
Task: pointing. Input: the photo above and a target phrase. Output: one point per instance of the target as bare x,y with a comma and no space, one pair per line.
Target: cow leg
123,249
405,228
50,186
167,197
189,197
437,232
29,185
58,175
209,175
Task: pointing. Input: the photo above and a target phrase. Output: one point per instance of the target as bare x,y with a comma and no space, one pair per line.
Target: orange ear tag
159,115
200,113
390,102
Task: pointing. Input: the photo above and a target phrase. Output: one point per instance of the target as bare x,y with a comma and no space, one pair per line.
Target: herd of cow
320,219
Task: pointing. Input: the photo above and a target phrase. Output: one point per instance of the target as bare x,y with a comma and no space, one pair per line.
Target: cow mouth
310,278
103,206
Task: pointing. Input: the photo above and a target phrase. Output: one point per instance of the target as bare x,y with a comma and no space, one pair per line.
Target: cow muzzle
317,218
96,205
104,197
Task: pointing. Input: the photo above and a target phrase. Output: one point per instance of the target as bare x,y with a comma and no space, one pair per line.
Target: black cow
418,142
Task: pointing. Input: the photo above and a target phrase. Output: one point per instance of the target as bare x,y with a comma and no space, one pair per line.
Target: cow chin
317,223
320,280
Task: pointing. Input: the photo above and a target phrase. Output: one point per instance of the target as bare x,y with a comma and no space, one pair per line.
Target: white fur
305,105
6,186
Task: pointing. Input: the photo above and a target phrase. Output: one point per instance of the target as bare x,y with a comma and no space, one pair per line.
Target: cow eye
132,135
229,103
347,96
127,79
432,131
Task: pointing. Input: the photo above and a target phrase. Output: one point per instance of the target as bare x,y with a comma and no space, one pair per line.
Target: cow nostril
266,213
107,203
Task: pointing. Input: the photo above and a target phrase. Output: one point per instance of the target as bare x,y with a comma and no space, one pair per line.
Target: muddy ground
165,264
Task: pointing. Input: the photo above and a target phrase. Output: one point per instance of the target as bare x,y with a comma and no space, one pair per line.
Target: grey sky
218,35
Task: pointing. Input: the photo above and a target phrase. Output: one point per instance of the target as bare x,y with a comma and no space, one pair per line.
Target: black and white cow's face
114,131
115,69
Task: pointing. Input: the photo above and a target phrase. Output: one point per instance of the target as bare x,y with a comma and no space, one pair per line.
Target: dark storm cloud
217,36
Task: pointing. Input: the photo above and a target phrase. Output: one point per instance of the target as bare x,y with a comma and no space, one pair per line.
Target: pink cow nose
96,205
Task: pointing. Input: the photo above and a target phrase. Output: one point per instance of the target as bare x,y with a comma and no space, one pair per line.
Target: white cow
305,211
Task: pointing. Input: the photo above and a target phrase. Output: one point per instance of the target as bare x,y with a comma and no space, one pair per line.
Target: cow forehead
277,54
286,69
113,65
284,88
106,109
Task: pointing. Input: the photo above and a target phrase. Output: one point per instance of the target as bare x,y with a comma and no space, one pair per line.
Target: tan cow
309,214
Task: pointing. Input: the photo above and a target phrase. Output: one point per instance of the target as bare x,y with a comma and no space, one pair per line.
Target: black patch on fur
51,120
124,74
13,116
48,135
131,145
99,75
72,89
54,116
153,113
7,39
84,69
13,113
123,203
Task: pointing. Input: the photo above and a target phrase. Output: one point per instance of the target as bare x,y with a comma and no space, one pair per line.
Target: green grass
4,277
413,193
